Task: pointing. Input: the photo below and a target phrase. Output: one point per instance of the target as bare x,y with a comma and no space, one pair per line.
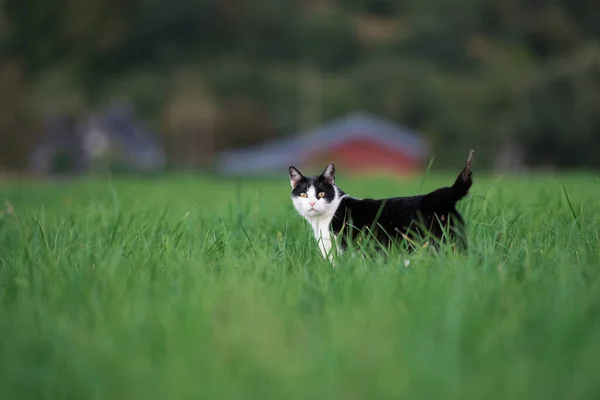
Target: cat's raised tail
464,181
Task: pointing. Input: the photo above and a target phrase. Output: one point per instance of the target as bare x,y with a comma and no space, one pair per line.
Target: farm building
72,145
357,143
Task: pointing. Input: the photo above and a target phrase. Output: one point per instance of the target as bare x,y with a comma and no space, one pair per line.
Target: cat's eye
303,194
321,194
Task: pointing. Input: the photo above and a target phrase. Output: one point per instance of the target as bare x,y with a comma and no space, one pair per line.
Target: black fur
392,220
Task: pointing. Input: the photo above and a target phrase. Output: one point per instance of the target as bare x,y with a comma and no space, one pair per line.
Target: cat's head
314,196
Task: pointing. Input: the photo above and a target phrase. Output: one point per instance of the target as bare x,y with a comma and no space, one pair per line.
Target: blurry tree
518,75
339,50
16,125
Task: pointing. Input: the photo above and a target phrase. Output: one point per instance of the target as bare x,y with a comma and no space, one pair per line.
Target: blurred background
251,86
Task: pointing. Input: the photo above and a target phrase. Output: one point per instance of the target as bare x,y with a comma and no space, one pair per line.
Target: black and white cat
330,211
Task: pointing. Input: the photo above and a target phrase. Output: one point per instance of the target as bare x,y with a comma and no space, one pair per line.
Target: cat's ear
295,176
329,174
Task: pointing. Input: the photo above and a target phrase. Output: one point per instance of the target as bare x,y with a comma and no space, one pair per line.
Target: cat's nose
312,203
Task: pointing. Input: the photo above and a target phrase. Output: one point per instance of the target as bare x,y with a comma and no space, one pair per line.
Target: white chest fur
321,226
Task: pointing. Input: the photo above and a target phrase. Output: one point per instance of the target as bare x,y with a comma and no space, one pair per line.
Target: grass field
187,287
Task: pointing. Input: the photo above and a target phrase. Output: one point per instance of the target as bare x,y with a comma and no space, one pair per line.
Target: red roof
365,156
358,140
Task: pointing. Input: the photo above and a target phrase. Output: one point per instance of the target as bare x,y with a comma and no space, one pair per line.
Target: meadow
193,287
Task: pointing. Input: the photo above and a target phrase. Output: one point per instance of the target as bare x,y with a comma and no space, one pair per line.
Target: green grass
186,287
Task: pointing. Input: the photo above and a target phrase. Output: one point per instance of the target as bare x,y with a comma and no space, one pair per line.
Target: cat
330,211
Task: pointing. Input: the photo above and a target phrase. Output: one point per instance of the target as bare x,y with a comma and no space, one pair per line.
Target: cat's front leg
330,248
325,246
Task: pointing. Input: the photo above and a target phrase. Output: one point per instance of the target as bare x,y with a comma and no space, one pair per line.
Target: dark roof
118,124
291,150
